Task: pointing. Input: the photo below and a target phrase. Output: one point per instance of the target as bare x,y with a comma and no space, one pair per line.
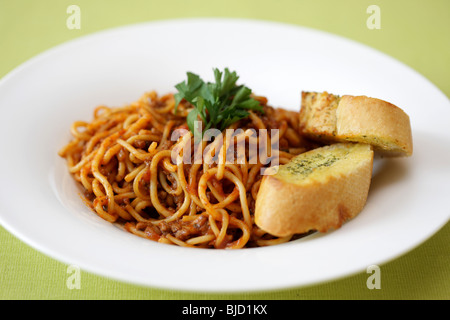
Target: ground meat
184,230
142,144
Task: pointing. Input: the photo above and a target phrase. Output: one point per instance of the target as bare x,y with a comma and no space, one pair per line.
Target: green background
416,32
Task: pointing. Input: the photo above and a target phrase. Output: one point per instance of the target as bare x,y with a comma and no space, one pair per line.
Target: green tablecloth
416,32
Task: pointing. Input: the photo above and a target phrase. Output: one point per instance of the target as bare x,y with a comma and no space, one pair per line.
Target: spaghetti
123,160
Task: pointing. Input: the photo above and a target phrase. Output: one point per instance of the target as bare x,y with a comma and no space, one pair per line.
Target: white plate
39,202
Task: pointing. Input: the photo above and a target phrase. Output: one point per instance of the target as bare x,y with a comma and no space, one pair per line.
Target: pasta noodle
134,173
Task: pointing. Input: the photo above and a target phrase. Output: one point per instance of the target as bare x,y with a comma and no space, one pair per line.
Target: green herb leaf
191,118
189,90
218,104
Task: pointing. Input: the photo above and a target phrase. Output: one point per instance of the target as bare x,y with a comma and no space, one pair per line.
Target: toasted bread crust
356,119
285,208
318,114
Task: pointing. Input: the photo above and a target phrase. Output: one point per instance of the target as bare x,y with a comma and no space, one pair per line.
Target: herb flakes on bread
330,118
317,190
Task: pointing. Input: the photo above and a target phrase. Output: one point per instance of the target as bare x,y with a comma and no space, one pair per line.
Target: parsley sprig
217,104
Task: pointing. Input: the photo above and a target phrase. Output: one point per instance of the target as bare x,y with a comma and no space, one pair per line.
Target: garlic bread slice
317,190
329,118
